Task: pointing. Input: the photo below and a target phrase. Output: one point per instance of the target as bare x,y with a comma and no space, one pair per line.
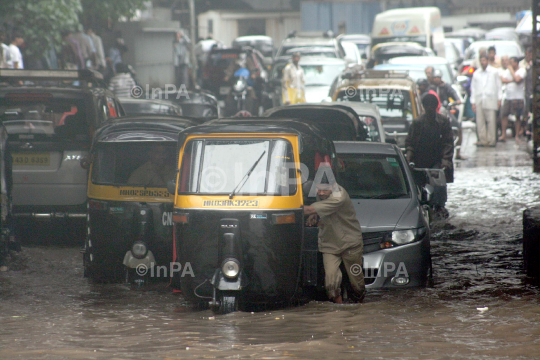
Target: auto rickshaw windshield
392,103
221,166
148,164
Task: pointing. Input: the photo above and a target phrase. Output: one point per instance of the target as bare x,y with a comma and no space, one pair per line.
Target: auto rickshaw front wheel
228,303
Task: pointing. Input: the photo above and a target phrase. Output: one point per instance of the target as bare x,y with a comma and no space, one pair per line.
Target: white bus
420,24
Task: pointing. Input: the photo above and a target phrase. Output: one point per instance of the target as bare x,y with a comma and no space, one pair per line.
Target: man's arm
409,142
284,83
515,75
453,94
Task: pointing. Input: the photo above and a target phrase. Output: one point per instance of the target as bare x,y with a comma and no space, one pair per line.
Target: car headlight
139,250
402,237
239,86
230,268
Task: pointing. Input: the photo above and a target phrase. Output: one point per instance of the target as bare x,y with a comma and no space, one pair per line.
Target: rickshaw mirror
86,162
171,187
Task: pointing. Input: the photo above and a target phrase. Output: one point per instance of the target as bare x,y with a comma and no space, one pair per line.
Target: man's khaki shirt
339,228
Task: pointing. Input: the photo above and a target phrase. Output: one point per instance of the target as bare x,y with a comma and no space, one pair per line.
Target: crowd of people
500,88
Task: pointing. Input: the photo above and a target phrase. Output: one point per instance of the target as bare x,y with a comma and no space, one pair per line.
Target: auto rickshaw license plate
38,159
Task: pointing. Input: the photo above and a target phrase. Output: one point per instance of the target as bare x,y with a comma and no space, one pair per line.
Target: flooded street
49,311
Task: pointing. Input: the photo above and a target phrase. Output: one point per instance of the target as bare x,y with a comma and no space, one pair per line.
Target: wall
323,16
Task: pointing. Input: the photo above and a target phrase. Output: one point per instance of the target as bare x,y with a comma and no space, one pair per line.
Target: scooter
432,183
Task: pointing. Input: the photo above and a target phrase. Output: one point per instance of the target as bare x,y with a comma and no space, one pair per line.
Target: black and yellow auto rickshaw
129,208
238,215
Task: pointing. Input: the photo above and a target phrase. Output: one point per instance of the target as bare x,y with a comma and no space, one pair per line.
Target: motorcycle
432,183
240,97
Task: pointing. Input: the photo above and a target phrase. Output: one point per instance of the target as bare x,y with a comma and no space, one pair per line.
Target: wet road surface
49,311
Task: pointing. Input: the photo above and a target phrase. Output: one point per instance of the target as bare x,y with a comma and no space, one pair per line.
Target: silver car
50,122
389,207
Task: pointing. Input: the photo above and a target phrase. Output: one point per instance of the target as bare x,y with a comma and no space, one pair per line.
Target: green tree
40,21
103,13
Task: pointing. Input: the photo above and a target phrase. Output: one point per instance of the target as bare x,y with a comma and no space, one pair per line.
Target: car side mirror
171,187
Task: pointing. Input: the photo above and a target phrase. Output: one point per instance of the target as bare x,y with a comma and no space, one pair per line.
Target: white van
420,24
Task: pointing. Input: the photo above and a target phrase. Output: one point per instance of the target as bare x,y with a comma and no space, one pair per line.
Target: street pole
536,86
193,35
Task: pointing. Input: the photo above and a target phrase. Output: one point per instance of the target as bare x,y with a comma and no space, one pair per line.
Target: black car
50,118
134,106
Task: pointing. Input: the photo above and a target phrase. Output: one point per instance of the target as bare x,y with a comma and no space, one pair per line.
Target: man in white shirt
293,82
486,95
16,59
514,78
5,55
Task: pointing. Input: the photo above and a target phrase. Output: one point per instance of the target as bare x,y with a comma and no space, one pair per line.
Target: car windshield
418,72
321,74
52,120
501,49
373,127
147,164
286,48
319,53
392,103
373,176
217,167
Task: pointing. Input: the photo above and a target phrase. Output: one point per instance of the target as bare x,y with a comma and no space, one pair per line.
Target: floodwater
49,311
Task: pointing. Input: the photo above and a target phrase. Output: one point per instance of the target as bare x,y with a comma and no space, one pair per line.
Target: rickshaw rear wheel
228,303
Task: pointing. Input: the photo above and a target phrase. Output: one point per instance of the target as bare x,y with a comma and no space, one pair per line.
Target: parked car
439,63
370,115
382,53
264,44
452,54
389,207
319,74
362,42
50,122
503,33
134,106
394,93
298,40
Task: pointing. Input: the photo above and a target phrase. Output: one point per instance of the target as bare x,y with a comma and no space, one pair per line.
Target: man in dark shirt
430,142
447,94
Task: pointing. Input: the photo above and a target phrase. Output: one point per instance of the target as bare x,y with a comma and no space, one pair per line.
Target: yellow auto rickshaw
238,216
129,223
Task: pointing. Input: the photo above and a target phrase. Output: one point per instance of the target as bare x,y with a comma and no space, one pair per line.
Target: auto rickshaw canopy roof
143,128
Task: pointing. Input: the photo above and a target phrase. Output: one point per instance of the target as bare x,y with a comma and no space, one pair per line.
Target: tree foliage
100,13
40,21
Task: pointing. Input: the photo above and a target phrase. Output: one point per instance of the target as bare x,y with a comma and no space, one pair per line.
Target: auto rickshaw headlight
230,268
139,250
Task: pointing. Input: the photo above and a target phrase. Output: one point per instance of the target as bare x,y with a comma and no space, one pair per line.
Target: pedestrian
430,144
486,95
16,58
446,95
424,89
514,78
182,64
293,82
71,57
85,47
429,74
5,55
91,62
122,83
527,65
116,52
100,52
340,239
494,60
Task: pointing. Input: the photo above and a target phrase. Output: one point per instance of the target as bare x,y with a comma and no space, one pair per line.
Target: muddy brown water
49,311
